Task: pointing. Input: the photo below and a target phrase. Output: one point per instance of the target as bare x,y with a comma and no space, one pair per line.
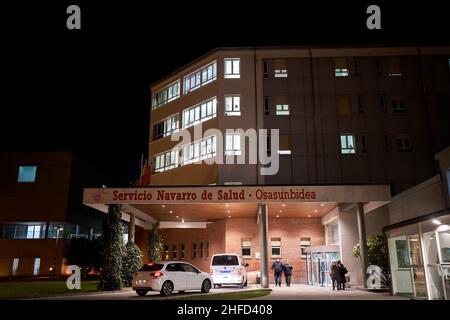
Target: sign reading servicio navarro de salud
217,194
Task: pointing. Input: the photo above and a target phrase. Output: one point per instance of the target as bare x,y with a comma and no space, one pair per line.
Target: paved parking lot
295,292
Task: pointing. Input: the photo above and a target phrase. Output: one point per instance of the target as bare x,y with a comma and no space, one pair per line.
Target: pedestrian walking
335,275
342,272
287,269
277,268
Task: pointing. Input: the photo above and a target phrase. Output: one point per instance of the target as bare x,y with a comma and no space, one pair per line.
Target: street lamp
58,229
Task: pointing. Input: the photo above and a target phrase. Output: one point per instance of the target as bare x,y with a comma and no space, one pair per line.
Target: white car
228,269
169,276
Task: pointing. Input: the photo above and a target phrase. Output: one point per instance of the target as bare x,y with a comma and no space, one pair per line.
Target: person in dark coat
342,272
287,269
335,276
277,268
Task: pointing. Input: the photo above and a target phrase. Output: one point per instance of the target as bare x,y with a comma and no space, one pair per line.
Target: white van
228,269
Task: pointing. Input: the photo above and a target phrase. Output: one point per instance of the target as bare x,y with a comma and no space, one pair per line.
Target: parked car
228,269
169,276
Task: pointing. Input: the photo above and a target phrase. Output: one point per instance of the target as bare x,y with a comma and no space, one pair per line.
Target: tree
84,253
377,254
155,244
131,262
110,276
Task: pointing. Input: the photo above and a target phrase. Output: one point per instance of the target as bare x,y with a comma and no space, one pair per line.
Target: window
280,68
35,232
174,251
394,67
275,245
232,68
200,77
398,104
37,266
363,143
166,127
285,144
344,105
403,142
387,145
165,161
182,252
207,249
200,113
347,144
360,100
194,250
15,266
169,93
266,105
233,105
305,242
268,143
265,69
282,109
356,66
232,144
199,150
340,67
333,233
189,268
166,252
402,253
27,174
246,248
381,104
201,249
379,65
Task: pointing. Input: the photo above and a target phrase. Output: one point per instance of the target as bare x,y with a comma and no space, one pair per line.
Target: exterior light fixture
436,221
309,216
163,206
322,204
284,205
182,220
278,215
228,211
280,211
229,216
170,211
316,210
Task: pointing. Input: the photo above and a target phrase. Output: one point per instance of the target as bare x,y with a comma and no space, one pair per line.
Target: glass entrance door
416,266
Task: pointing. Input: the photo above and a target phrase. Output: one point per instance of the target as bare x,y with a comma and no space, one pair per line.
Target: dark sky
87,90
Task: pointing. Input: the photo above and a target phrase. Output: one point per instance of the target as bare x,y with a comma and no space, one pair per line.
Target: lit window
232,68
285,144
34,232
398,104
246,248
280,68
347,144
165,161
275,245
199,150
340,67
282,109
27,174
403,142
233,105
169,93
394,67
166,127
200,77
200,113
166,252
232,144
15,266
37,266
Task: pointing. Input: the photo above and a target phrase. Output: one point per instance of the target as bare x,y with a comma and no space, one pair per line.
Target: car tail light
156,274
211,271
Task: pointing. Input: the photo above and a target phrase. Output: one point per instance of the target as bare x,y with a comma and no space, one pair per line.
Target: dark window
201,249
189,268
387,145
356,67
266,106
207,249
266,69
403,142
175,267
151,267
360,104
382,104
225,260
363,143
268,141
398,105
174,251
182,251
246,251
194,250
379,64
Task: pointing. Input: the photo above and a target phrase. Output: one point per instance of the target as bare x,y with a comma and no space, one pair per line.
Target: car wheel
141,292
215,286
206,286
167,289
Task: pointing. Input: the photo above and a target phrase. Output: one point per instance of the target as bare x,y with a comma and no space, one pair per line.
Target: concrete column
263,221
362,240
131,227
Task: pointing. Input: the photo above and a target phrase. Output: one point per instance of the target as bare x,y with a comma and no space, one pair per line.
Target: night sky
88,90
